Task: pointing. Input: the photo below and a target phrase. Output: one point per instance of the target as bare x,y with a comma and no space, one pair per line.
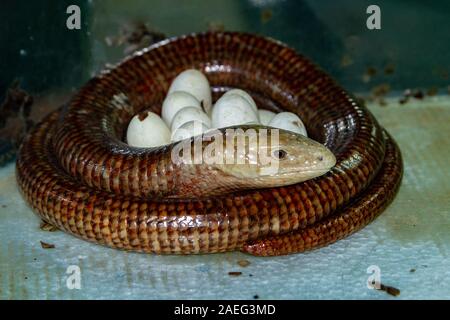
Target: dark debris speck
390,290
266,15
346,60
389,69
418,94
403,100
432,91
371,71
381,90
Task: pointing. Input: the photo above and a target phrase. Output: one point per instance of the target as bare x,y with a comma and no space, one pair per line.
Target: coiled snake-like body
77,174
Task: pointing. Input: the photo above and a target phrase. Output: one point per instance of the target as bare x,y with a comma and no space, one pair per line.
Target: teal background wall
37,48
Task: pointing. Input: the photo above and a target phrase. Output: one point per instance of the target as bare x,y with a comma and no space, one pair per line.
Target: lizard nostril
320,158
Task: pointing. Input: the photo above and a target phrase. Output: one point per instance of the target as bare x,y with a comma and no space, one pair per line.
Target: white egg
244,95
195,83
176,101
189,114
150,131
265,116
233,110
288,121
188,129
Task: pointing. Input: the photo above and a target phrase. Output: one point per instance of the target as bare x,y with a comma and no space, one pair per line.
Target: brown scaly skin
76,173
363,210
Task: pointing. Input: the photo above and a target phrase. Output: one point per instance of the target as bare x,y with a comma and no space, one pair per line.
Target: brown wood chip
142,115
47,245
390,290
243,263
47,227
234,273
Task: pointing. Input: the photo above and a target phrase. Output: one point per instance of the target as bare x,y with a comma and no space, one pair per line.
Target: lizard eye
279,154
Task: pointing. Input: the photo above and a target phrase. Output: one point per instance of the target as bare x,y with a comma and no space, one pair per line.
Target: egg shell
176,101
189,114
195,83
147,130
232,110
244,95
265,116
288,121
188,129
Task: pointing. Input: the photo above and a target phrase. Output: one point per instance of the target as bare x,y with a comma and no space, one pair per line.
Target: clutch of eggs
188,111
